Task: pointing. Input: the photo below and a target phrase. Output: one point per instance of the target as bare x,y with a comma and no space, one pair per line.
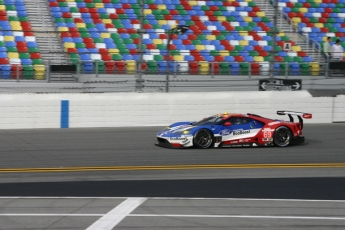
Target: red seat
219,58
151,46
35,55
199,58
301,54
279,59
263,53
109,66
23,49
66,15
255,67
21,44
126,6
106,57
16,71
90,45
186,42
193,67
168,17
214,67
4,61
120,66
72,50
239,59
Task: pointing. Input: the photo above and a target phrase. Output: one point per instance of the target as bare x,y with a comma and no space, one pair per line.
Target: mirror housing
227,124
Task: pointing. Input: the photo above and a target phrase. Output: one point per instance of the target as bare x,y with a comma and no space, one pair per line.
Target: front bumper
165,143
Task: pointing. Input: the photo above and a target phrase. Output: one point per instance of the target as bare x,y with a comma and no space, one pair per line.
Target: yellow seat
319,25
314,68
63,29
178,58
114,51
303,10
244,43
8,38
70,0
200,47
99,5
2,7
107,21
296,48
318,1
260,14
80,25
221,18
161,7
39,72
15,23
211,37
147,11
296,19
105,35
243,33
258,58
248,19
224,53
130,66
68,45
162,22
280,34
193,3
13,55
17,28
157,41
204,67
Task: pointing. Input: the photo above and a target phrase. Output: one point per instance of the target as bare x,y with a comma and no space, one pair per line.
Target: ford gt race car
234,130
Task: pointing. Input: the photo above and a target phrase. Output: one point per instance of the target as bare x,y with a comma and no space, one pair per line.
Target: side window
240,120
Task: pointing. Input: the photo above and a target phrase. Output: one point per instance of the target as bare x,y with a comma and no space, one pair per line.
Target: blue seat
26,61
181,47
82,50
294,68
127,57
110,45
229,59
209,58
235,68
93,50
248,59
67,39
189,58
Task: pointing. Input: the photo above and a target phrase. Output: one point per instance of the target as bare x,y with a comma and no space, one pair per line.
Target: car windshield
214,120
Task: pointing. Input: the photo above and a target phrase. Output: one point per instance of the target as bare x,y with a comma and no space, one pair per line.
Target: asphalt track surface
116,178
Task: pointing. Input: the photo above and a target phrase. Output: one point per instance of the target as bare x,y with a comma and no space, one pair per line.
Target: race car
234,130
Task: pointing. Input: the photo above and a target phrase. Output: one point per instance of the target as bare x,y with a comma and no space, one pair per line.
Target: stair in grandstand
285,27
46,37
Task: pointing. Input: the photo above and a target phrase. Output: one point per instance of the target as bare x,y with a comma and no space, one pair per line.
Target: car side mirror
227,124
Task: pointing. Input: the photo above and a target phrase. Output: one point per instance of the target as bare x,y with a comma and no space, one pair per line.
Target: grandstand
225,37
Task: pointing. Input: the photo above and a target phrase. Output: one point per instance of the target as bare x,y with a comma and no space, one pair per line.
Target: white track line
115,218
168,198
112,218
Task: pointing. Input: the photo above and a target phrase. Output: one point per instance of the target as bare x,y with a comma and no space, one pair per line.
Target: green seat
100,66
285,38
155,27
179,7
90,25
217,13
28,72
2,43
156,12
98,40
128,41
201,37
298,59
284,67
80,45
224,68
116,36
244,68
314,20
74,9
158,58
121,46
239,28
69,20
13,18
10,7
230,19
190,23
24,55
337,10
23,19
152,66
149,2
214,52
12,49
234,53
205,8
251,4
85,35
265,19
33,50
174,52
239,48
63,4
133,36
220,37
304,68
165,12
299,5
37,61
124,51
330,20
161,46
90,5
196,42
254,53
117,57
288,59
57,20
74,58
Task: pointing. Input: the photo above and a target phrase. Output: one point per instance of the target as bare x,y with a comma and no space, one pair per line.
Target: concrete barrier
156,109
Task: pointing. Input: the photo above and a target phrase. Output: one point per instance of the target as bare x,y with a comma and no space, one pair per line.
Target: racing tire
282,136
203,139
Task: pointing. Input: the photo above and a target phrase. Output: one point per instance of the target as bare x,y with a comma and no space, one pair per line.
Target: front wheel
203,139
282,136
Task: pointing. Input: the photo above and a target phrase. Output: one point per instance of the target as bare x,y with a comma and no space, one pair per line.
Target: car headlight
184,132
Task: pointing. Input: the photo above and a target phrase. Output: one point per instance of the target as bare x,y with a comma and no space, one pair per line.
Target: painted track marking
115,216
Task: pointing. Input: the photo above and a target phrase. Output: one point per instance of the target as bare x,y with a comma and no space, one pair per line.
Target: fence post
48,72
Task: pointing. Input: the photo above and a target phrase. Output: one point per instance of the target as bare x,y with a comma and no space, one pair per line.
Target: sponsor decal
241,132
267,139
178,139
267,130
233,142
241,140
225,132
273,123
307,115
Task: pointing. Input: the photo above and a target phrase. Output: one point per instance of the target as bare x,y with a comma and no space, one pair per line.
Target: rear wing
298,114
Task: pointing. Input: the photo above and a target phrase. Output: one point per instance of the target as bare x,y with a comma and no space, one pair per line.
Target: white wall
158,109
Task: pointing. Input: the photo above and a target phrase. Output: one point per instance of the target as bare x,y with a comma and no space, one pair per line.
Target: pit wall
29,111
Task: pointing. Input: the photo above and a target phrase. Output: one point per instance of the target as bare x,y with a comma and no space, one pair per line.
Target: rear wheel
203,139
282,136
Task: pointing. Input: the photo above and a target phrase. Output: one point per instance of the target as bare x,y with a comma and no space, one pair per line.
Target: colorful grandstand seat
317,18
220,31
19,54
